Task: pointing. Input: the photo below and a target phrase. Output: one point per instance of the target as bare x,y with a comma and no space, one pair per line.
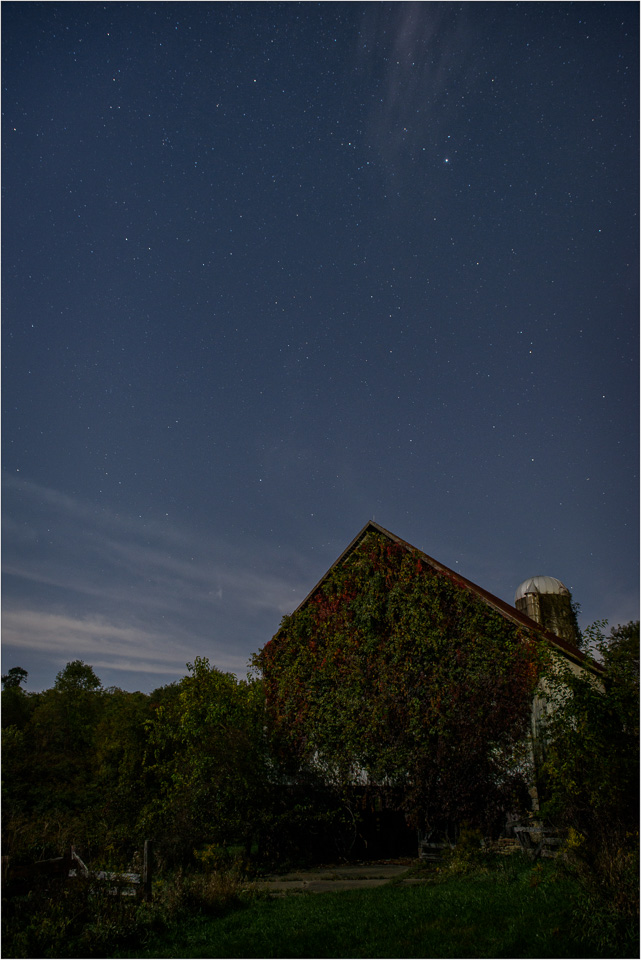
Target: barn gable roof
500,606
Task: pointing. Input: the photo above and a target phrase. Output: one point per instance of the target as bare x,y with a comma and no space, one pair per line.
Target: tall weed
85,919
607,903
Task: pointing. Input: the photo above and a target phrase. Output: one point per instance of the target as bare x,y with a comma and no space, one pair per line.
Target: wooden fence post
147,870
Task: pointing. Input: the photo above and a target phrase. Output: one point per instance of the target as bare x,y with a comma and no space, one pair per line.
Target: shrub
76,919
84,919
592,786
468,854
607,904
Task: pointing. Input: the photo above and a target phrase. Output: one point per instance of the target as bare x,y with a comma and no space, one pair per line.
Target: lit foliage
592,784
401,674
207,759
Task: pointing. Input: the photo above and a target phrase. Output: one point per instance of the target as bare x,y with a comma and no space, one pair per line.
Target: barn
412,688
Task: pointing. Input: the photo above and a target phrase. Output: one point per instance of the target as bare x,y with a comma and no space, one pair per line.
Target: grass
473,906
506,909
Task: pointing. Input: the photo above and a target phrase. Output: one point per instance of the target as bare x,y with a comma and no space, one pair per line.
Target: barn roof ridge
501,606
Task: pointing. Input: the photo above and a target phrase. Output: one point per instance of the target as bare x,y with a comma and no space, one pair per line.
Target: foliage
592,781
468,854
212,892
207,757
84,919
193,763
120,743
77,675
77,920
579,639
397,675
15,702
72,768
14,678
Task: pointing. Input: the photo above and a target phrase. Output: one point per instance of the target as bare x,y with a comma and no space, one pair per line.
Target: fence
69,868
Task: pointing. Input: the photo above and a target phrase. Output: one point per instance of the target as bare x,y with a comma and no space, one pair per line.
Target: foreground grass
509,910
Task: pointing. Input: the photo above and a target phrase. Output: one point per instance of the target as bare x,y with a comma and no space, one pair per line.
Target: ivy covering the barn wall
395,675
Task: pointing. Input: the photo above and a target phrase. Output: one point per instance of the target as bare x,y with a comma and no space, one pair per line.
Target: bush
212,893
607,904
84,919
469,853
66,920
592,786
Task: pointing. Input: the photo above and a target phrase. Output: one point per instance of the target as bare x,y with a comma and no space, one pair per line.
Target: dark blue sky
273,270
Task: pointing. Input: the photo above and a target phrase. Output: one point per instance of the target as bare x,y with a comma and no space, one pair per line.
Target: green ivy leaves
406,673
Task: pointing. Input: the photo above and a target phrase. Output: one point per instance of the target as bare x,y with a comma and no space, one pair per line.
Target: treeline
193,765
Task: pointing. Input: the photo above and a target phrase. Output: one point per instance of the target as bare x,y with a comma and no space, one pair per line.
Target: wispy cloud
133,596
425,48
88,637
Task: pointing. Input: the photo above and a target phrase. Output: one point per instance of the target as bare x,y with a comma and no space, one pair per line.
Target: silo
549,602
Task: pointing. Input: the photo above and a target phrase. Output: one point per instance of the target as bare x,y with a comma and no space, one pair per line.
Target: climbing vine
396,675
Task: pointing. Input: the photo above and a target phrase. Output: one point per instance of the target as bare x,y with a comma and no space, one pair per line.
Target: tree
14,678
119,748
16,704
206,754
592,780
621,657
61,797
77,675
397,676
17,707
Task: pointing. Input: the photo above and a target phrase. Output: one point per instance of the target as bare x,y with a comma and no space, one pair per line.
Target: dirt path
338,877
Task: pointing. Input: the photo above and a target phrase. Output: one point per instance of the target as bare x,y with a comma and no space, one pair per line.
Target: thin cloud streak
177,594
50,631
105,644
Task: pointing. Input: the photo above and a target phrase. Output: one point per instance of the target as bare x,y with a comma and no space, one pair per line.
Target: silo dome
548,602
541,585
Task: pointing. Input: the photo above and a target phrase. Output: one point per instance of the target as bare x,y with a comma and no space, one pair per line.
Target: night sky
272,270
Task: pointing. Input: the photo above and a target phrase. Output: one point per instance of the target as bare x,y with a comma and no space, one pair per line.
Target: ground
340,877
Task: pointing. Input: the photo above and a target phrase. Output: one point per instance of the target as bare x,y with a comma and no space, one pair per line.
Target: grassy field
510,909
